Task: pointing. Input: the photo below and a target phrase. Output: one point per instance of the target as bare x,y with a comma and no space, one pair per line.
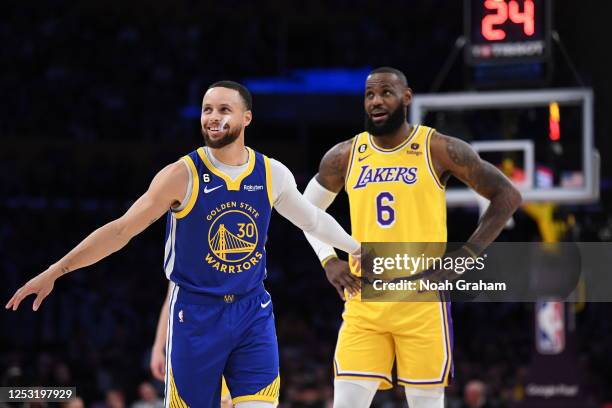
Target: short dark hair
390,70
242,90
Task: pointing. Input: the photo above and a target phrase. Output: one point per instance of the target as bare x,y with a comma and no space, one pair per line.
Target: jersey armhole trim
268,180
430,166
350,165
185,199
195,187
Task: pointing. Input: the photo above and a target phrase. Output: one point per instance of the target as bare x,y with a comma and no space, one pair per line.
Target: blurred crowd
90,71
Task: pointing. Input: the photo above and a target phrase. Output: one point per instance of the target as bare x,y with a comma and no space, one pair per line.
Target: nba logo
550,327
180,316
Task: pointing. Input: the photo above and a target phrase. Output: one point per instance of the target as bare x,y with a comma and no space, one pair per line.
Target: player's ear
407,98
247,118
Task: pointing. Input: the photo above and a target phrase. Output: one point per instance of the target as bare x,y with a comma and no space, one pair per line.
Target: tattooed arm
321,191
166,190
452,156
333,167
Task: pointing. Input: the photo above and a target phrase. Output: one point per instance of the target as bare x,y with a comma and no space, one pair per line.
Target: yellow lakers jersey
395,194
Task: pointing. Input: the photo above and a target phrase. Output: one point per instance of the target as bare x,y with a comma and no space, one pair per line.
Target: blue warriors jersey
215,244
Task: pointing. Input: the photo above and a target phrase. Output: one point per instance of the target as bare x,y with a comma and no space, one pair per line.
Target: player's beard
230,137
394,121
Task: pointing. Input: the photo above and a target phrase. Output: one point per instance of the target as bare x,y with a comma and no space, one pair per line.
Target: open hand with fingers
40,286
339,275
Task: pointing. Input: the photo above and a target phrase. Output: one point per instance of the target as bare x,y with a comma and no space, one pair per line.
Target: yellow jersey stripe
350,165
175,399
268,179
265,390
327,259
231,184
268,394
195,187
275,386
430,166
179,401
224,388
269,390
273,390
447,341
254,397
396,148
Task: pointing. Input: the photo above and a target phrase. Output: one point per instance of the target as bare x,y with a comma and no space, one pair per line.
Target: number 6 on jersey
385,214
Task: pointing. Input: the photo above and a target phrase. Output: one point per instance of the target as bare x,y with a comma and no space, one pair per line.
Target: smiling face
224,117
386,101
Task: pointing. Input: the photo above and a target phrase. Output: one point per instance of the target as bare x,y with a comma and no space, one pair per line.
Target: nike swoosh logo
264,305
360,159
208,190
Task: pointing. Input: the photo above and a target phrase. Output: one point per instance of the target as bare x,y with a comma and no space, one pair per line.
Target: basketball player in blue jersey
219,200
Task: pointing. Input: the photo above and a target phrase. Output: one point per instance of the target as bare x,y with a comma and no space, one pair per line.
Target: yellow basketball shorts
416,335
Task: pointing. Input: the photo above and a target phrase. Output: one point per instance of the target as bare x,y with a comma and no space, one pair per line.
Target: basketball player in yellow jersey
395,175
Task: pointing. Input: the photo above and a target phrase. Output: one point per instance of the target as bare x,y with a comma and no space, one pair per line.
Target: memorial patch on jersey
232,237
407,175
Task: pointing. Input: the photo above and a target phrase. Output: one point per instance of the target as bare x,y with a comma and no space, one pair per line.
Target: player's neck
234,154
394,139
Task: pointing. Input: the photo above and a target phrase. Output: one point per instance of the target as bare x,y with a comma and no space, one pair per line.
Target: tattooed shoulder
459,151
336,159
464,163
334,164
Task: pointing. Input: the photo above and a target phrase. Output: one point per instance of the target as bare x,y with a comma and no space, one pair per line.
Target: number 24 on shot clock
507,31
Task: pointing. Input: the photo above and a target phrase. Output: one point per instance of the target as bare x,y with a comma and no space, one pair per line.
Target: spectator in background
115,399
475,395
75,402
62,376
148,397
13,376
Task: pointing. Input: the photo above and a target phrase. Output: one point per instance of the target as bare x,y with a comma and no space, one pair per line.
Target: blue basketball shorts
213,336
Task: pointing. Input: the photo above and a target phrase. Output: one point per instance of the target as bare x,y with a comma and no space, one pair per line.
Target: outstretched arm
167,189
452,156
292,205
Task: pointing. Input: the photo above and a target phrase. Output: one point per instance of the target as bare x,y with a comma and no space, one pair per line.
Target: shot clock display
507,31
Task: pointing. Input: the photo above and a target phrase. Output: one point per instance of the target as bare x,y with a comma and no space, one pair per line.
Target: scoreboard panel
507,31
